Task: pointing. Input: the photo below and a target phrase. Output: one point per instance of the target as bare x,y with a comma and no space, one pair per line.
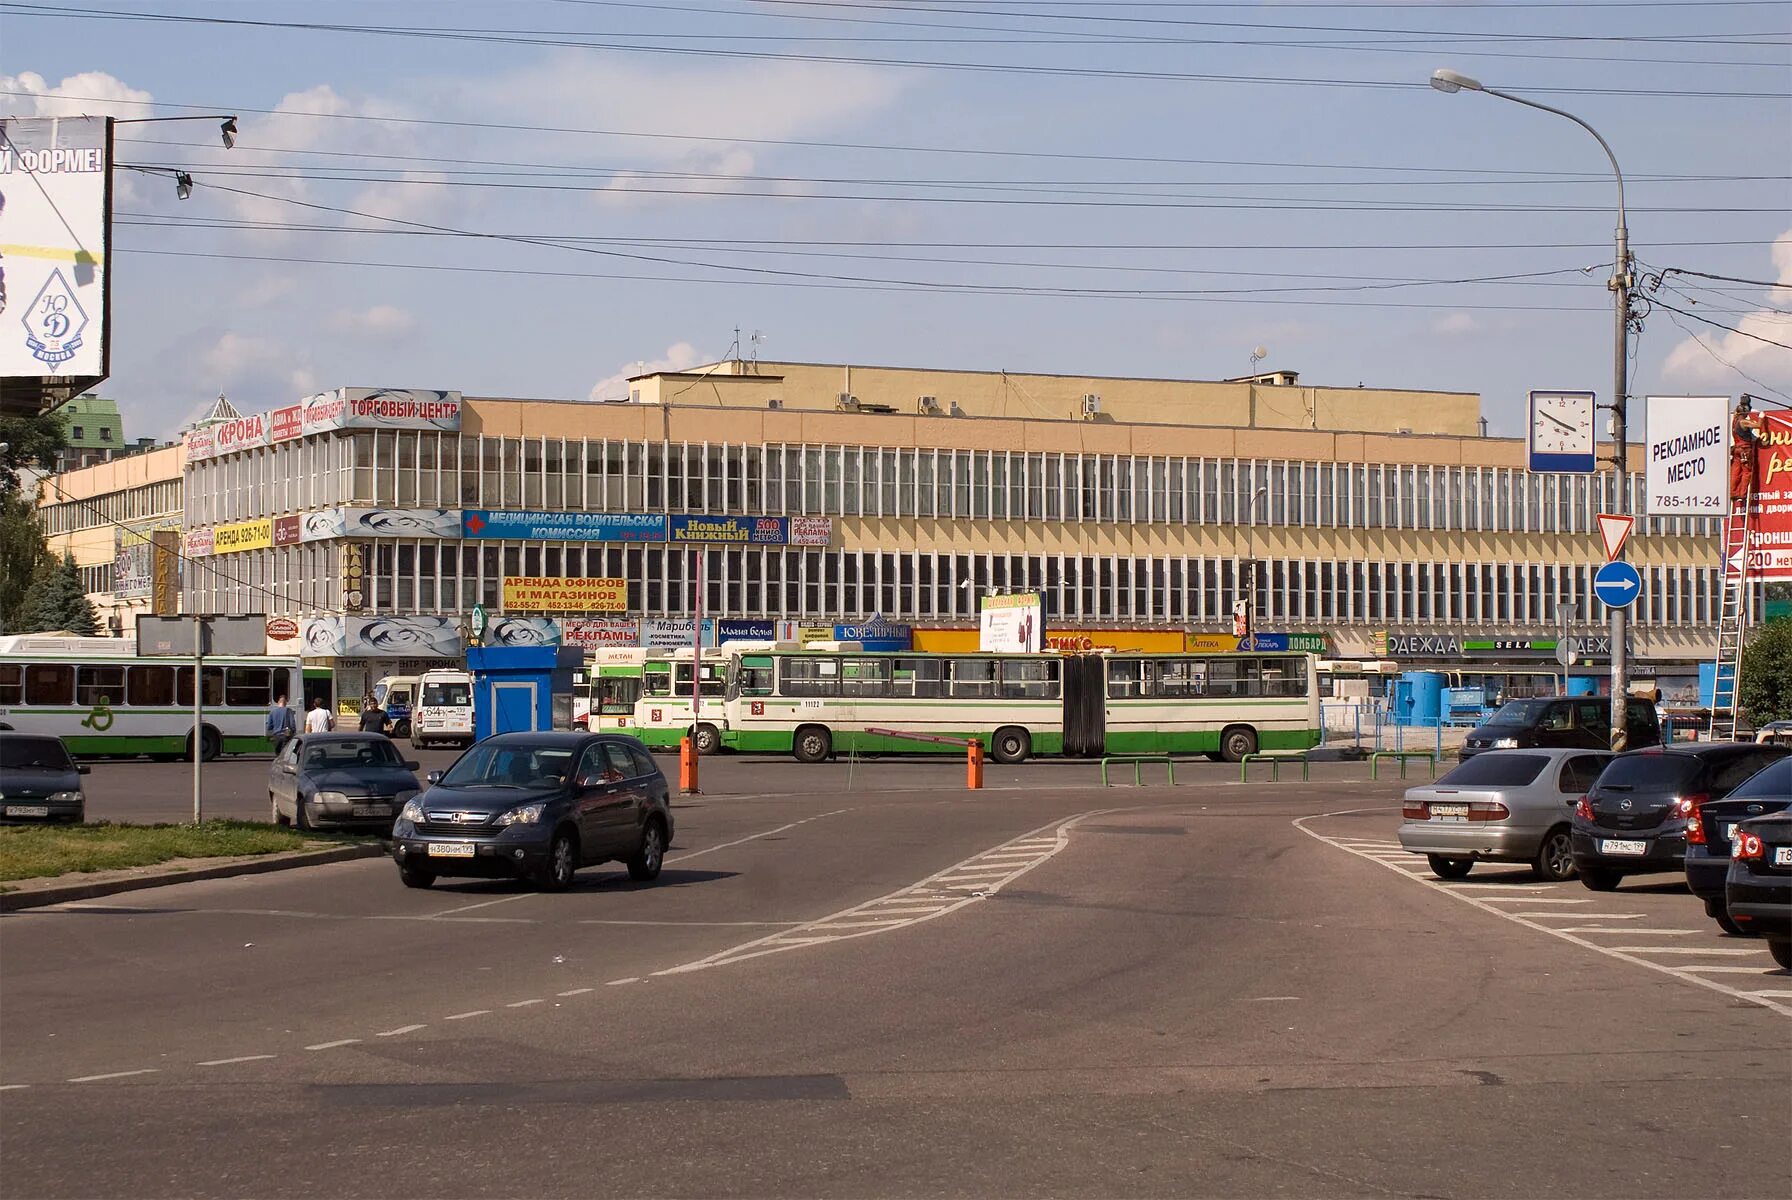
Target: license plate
1449,812
27,810
1730,832
1782,856
451,850
372,810
1613,846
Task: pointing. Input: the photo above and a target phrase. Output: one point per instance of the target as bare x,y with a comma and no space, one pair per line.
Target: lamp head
183,185
1446,80
228,130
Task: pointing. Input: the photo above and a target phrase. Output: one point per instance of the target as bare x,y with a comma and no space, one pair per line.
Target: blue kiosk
522,689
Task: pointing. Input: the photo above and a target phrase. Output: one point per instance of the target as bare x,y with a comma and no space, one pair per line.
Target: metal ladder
1732,614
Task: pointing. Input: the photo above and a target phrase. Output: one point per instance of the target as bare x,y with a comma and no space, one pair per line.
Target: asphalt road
1038,990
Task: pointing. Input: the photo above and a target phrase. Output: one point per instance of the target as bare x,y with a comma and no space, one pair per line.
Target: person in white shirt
319,720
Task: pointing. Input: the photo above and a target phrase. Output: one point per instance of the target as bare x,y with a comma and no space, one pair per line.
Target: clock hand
1556,420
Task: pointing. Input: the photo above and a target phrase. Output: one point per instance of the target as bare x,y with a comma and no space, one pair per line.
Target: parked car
538,806
1503,806
340,781
1633,821
1758,889
1711,827
1777,733
1582,722
39,781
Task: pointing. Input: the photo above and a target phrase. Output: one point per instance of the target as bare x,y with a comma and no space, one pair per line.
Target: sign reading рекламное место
1686,464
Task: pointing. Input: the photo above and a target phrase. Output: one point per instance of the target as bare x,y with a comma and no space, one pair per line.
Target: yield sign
1614,531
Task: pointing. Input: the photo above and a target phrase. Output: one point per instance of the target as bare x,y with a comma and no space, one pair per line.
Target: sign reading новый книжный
565,594
1687,463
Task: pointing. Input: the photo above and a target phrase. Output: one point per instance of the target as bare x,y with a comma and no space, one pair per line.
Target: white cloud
1693,363
1455,324
679,356
91,93
380,323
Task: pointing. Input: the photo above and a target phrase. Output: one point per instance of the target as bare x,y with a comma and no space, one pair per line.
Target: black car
1633,821
340,781
1572,722
538,806
1711,825
38,780
1758,890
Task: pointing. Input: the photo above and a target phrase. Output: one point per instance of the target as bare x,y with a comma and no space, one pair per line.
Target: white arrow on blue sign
1617,584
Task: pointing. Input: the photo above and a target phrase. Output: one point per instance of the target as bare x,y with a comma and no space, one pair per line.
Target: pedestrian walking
373,717
319,720
283,723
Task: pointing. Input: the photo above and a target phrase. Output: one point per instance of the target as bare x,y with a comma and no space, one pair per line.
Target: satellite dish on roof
1260,353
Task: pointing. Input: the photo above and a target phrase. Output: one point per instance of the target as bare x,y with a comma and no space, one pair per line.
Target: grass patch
36,851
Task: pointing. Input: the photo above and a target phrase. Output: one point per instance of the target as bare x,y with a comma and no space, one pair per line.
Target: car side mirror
83,769
410,764
433,778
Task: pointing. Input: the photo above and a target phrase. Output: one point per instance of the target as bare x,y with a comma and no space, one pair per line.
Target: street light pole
1445,80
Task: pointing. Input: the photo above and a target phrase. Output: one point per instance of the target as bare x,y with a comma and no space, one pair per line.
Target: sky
539,197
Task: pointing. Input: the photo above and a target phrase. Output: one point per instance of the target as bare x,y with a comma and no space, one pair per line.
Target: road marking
574,992
478,1012
1630,954
12,1087
753,837
695,924
449,912
1583,916
1631,929
241,1058
522,1003
617,982
402,1029
1771,993
113,1075
1724,970
333,1045
1266,999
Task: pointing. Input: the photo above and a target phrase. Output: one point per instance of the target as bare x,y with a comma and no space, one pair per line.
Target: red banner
1770,512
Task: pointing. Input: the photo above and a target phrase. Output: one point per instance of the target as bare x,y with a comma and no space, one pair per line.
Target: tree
30,441
56,603
22,554
1765,693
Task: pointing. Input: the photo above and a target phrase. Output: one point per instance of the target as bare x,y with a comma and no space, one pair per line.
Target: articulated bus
103,699
1224,705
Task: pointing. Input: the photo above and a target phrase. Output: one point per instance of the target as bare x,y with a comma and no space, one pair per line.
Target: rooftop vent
846,402
928,405
1091,407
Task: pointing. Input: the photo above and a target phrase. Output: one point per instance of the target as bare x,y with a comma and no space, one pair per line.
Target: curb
155,877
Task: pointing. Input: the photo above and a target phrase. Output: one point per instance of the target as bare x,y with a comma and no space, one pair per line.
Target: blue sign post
1617,584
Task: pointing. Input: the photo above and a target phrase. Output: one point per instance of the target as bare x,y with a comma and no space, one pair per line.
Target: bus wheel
1010,745
211,744
708,739
812,744
1236,741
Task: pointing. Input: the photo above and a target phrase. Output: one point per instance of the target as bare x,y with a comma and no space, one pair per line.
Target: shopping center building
886,503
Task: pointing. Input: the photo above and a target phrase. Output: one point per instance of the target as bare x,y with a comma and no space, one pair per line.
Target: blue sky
1025,204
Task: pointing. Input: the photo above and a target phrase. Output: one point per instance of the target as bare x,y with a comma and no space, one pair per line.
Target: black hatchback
1712,821
538,806
38,779
1633,821
1570,722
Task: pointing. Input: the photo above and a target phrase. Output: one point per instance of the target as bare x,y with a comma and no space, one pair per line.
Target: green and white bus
1018,705
103,699
608,689
663,713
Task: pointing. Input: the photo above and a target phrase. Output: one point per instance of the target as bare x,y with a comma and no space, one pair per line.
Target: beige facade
95,512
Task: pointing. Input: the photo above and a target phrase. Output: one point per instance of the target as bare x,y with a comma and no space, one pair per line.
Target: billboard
381,408
565,594
56,211
1011,624
765,531
224,635
810,531
1688,447
662,633
243,535
563,526
1769,551
133,564
197,543
596,632
737,630
380,637
522,631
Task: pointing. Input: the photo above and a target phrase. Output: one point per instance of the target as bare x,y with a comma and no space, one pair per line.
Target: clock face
1561,423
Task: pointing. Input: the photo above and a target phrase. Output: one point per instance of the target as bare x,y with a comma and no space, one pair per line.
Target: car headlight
1504,743
404,797
331,797
527,814
65,797
413,811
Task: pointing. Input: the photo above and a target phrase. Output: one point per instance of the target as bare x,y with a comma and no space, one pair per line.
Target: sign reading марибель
1686,463
57,217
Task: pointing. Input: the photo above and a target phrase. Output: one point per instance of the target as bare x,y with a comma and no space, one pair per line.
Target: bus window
923,678
214,687
656,680
246,687
12,684
713,683
1030,679
99,685
1284,676
973,677
150,687
1232,677
1179,678
811,677
616,695
1123,678
753,677
864,677
49,683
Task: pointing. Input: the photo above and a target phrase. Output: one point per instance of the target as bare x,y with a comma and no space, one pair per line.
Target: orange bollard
687,767
973,766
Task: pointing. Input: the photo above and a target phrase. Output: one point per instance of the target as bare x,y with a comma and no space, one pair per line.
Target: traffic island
42,865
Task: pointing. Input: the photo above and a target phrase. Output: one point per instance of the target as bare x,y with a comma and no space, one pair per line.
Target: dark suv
1711,825
1634,820
538,806
1571,722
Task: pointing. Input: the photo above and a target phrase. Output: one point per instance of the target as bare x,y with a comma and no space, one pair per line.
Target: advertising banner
380,637
1011,624
563,526
322,525
354,576
1689,445
401,522
670,634
201,443
289,531
238,536
810,531
197,543
767,531
738,630
164,596
133,564
876,634
1769,553
240,433
1226,643
381,408
600,632
55,177
522,631
285,424
565,594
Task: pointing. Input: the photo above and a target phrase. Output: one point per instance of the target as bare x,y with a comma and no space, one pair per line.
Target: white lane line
113,1075
904,912
333,1045
1630,929
574,992
522,1003
693,924
861,924
402,1029
1724,970
12,1087
1771,993
1577,915
618,982
753,837
1267,999
478,1012
1629,954
241,1058
449,912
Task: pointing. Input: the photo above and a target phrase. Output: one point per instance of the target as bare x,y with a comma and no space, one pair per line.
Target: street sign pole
198,717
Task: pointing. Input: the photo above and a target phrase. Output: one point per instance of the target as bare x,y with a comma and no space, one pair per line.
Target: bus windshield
447,695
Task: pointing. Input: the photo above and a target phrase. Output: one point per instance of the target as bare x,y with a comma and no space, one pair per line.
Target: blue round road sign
1617,584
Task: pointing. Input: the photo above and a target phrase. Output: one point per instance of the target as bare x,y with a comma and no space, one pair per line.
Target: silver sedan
1501,806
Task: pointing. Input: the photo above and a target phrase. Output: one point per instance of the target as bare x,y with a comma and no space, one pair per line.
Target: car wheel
1555,857
708,739
415,877
1445,867
1782,952
1719,912
563,859
645,865
1011,745
299,819
274,814
402,729
1601,879
813,743
1237,741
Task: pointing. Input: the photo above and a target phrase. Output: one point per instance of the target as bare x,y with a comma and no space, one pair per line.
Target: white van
444,709
397,694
